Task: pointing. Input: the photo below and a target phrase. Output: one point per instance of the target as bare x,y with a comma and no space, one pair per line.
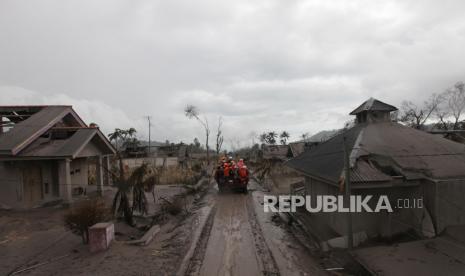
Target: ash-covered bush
85,214
175,207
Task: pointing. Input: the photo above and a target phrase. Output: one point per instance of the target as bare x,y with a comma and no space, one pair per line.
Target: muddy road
239,239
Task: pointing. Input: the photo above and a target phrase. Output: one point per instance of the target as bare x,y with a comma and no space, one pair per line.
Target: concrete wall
374,224
171,162
153,161
79,172
11,187
450,204
12,174
49,179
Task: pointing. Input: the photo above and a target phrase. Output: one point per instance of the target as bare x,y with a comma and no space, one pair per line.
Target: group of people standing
229,169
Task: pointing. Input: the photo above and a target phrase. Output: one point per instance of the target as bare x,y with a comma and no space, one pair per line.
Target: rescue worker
240,164
234,169
227,169
219,173
243,173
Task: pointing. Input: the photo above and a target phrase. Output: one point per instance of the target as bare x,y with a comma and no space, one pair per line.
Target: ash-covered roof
373,105
326,160
380,151
24,132
46,148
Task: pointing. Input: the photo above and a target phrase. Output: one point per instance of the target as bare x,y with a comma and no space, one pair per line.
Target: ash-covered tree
192,112
451,110
219,136
143,179
127,138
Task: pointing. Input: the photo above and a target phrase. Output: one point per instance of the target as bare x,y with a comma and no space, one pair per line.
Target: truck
236,179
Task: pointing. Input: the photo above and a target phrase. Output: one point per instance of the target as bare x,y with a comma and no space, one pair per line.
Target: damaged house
275,152
46,153
387,158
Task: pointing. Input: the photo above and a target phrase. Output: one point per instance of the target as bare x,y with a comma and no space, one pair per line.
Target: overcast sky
292,65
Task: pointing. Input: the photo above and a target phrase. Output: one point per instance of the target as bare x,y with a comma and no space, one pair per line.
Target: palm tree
271,137
115,136
126,136
284,136
305,136
131,132
137,185
263,137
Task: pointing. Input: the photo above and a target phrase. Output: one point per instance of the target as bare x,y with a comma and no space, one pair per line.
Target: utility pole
150,124
350,234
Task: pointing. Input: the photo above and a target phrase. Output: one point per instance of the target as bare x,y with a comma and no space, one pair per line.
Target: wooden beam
70,128
15,116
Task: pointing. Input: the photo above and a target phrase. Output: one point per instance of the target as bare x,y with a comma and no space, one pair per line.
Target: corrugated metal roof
364,172
30,129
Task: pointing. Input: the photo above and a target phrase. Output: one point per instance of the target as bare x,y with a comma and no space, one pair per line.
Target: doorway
32,179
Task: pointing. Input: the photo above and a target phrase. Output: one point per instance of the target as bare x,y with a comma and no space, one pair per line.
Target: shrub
176,175
84,215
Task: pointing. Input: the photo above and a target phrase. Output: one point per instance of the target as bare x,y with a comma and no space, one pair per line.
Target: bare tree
252,136
417,115
456,102
192,112
235,144
450,110
219,136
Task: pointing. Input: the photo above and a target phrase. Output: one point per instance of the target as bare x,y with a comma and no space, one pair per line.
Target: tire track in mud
196,262
232,241
268,263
